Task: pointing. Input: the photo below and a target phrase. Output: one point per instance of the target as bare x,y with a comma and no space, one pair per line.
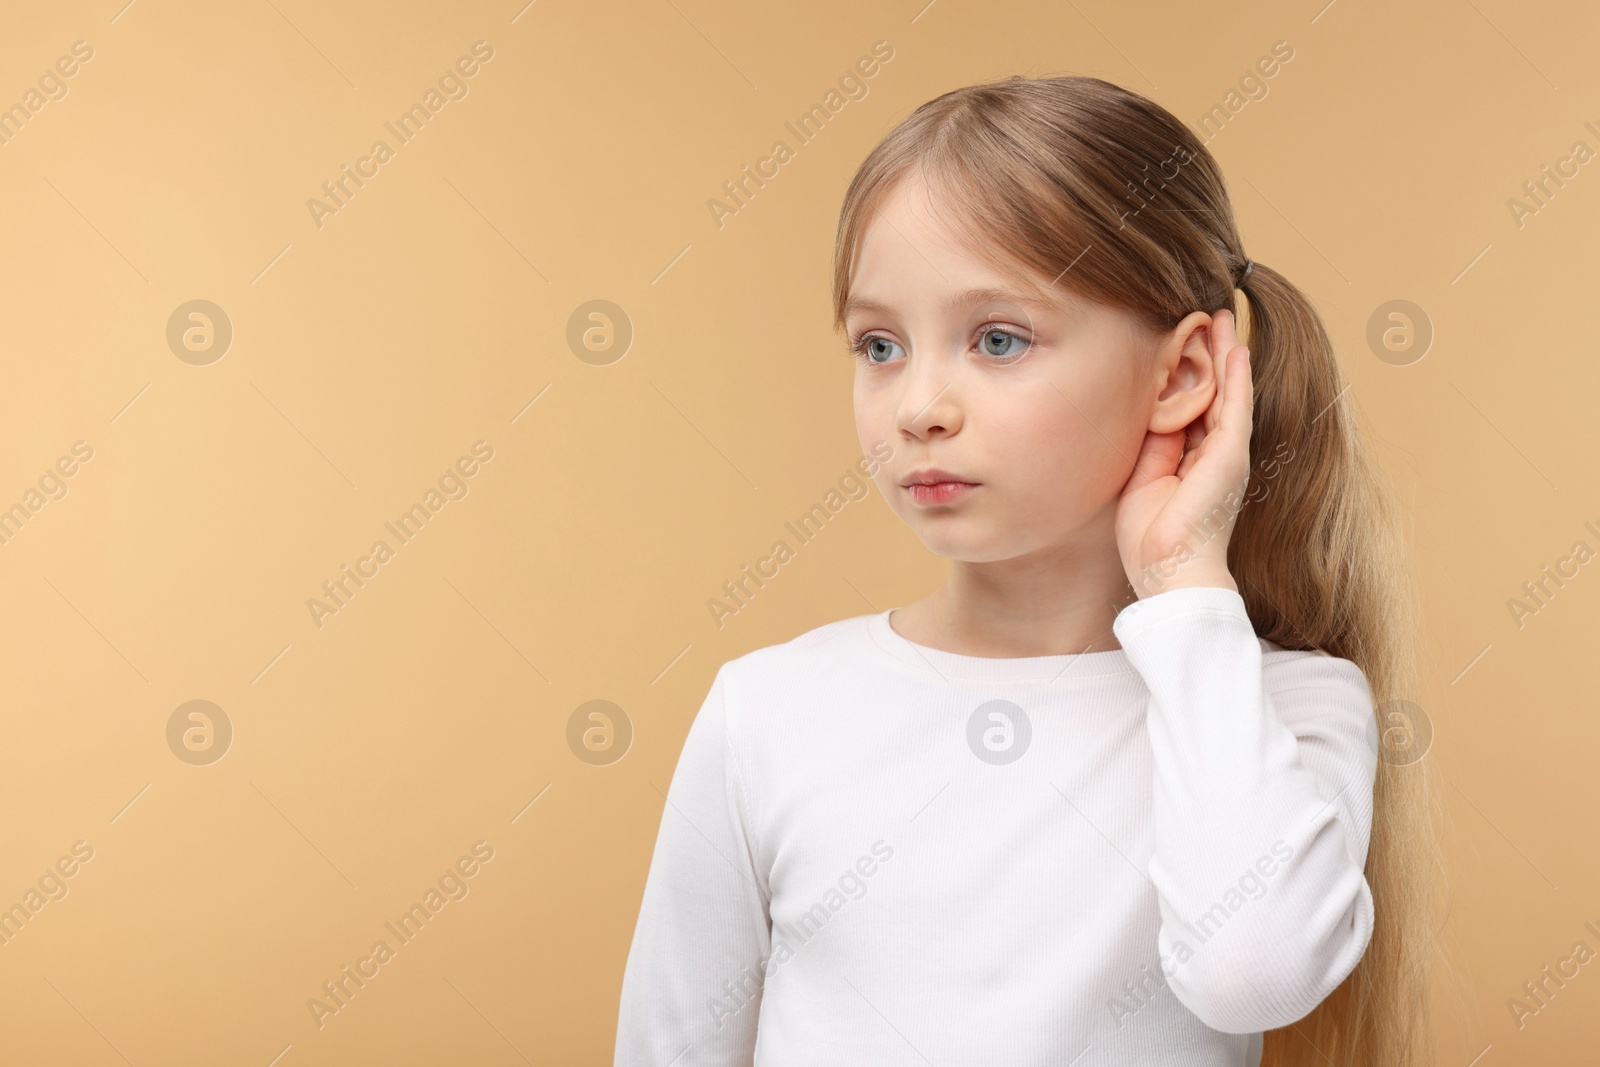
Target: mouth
936,488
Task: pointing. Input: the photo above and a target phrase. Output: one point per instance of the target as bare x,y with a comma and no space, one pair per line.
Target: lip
935,488
940,493
934,476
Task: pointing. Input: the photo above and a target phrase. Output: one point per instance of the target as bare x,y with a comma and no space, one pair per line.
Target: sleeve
691,989
1259,827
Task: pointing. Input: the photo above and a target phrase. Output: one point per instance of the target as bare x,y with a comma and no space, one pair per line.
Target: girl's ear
1185,374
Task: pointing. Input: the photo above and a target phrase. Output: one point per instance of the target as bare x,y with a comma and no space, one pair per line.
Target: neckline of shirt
953,665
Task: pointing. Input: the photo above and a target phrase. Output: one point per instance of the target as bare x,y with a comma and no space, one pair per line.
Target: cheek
1052,429
862,402
874,423
1070,456
869,419
877,405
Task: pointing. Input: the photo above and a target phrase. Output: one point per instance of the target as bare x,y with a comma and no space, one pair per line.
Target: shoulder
1319,694
1286,669
771,701
782,665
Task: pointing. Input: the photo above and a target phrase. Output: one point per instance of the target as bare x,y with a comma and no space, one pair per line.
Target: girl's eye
870,347
995,338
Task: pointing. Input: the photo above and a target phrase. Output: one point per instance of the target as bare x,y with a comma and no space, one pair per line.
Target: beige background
372,351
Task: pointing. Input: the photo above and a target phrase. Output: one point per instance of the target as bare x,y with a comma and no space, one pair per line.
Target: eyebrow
956,301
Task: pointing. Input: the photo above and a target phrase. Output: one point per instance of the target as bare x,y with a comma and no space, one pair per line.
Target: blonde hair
1105,191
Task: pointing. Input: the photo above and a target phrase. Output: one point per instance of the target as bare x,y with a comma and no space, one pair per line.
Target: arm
691,989
1259,828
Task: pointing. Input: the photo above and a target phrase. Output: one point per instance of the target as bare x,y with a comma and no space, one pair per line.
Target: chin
967,546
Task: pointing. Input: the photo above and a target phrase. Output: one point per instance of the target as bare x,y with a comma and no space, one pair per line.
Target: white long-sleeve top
876,852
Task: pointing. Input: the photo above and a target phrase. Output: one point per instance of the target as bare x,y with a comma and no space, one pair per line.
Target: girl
1112,794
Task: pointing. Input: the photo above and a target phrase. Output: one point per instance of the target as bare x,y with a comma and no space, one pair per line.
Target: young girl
1113,793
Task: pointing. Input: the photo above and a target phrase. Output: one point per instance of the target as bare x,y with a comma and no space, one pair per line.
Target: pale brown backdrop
373,346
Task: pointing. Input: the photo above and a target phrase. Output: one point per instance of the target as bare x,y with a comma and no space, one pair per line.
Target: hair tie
1249,265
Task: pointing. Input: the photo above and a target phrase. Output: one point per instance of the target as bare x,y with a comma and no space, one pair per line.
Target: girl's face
1040,407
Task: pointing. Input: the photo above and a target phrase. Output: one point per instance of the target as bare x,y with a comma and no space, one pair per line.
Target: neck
1057,601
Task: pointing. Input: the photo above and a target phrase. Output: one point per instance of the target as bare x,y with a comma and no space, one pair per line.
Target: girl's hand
1178,508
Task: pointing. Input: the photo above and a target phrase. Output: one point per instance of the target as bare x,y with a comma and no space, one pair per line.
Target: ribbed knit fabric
878,853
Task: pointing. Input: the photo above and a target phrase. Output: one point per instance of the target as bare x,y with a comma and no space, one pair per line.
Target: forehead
914,249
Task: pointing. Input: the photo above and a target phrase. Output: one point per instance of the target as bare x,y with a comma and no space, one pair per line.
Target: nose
928,402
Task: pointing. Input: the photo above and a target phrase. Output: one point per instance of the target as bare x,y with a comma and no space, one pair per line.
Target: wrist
1192,576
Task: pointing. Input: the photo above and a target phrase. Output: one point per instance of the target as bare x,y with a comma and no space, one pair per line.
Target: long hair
1082,181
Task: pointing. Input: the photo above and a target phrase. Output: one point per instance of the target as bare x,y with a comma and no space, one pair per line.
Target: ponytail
1344,589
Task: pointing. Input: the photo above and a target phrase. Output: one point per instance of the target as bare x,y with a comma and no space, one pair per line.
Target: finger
1158,457
1223,341
1226,327
1189,460
1194,435
1238,413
